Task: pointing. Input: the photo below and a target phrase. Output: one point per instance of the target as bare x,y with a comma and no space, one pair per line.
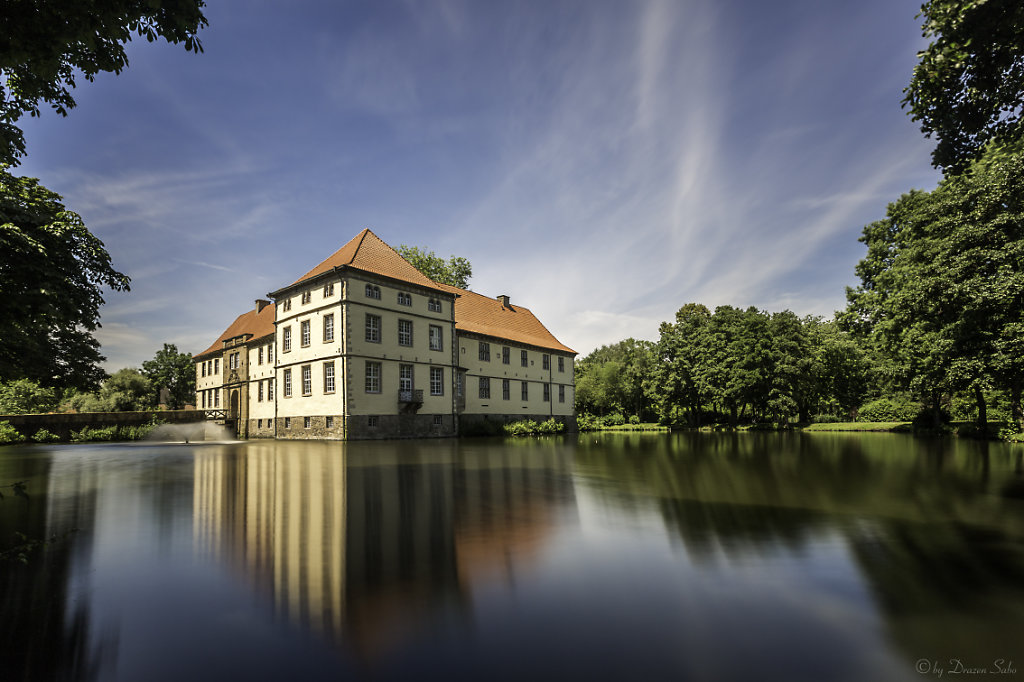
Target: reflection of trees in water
44,633
937,538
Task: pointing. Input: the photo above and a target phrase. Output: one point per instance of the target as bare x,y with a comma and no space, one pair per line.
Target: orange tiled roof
258,324
366,251
480,314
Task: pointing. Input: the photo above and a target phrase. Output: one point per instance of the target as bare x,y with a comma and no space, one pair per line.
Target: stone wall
63,424
400,426
482,424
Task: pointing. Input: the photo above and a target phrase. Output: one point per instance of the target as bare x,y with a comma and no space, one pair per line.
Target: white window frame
372,377
329,377
373,325
436,337
307,380
437,381
404,332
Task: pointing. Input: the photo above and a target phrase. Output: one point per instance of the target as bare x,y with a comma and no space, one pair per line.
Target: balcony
410,400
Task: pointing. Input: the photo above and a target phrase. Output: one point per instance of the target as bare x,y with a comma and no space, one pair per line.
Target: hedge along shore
63,424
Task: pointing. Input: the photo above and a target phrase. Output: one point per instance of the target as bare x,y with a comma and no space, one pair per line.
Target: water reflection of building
366,544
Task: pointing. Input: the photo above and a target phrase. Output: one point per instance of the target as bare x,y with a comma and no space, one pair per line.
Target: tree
942,288
968,88
174,371
25,397
455,271
127,390
52,277
47,42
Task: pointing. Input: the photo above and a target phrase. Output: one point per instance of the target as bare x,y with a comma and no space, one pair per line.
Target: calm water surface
601,557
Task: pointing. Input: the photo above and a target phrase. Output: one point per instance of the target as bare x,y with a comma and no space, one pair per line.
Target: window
287,422
484,351
286,339
306,421
202,368
328,327
216,397
545,361
233,361
437,381
270,389
216,366
525,390
434,305
287,383
259,391
259,423
436,338
372,377
328,377
329,290
259,355
506,391
547,393
329,422
304,333
372,421
306,296
307,380
372,291
460,377
372,328
438,420
561,364
506,355
561,393
286,305
523,359
485,388
404,298
270,352
405,332
202,395
405,382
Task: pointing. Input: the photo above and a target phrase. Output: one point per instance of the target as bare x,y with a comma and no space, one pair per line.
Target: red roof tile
480,314
258,324
367,252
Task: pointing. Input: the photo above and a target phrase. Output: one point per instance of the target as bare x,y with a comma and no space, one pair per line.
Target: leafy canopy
52,276
46,43
174,371
968,87
455,271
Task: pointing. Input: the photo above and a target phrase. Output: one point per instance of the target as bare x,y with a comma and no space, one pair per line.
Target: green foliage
826,419
48,42
587,422
174,371
87,434
9,434
455,271
127,390
888,410
44,436
24,396
528,427
614,419
616,378
942,293
968,87
52,277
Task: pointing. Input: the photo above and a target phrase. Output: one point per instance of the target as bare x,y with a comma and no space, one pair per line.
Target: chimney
261,303
504,301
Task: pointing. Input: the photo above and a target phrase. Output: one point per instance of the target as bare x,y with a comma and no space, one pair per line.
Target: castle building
366,346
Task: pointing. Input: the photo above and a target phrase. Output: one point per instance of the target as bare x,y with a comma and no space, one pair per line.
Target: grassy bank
859,426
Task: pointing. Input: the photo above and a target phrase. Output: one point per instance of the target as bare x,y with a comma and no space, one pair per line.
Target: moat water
598,557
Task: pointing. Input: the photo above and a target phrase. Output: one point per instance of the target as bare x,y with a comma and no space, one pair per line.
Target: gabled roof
478,314
256,324
367,252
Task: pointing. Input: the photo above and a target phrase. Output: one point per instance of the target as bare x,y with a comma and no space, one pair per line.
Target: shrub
87,435
9,434
24,396
615,419
587,422
827,419
634,419
889,410
44,436
528,427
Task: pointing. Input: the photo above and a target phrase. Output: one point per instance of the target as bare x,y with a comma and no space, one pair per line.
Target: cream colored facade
365,346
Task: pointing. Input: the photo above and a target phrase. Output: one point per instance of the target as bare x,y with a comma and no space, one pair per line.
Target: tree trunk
1018,413
979,396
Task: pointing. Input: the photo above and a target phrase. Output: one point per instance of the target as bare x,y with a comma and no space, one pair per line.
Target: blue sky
603,162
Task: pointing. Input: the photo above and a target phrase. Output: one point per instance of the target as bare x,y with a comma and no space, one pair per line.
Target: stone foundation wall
295,428
63,424
400,426
263,428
